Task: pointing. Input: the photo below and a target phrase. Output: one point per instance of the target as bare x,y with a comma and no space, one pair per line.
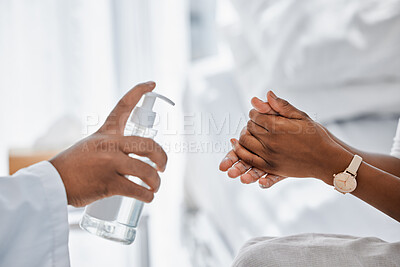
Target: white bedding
319,53
315,250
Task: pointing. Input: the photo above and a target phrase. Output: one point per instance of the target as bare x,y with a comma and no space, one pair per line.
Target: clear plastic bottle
116,218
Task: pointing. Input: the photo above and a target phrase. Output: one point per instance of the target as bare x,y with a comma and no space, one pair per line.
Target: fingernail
150,83
233,142
273,95
256,100
262,186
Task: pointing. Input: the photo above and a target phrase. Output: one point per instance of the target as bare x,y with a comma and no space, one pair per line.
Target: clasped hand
280,141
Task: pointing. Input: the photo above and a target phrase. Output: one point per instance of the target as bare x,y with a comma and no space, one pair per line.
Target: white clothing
315,250
33,218
396,145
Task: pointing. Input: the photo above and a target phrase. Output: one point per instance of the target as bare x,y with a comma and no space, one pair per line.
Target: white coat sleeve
33,218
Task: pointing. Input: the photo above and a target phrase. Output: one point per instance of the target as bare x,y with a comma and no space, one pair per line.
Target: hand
94,168
249,174
290,144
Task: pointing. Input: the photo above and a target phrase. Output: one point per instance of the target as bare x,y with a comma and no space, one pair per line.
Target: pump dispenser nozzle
145,115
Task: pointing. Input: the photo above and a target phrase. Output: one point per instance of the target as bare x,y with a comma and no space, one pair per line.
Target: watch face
345,182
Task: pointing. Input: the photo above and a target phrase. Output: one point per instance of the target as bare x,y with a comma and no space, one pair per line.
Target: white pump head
145,115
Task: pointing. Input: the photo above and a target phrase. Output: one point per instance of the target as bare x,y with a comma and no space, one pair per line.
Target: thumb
284,108
116,121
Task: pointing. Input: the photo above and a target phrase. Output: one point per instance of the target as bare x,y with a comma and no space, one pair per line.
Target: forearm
374,186
380,189
384,162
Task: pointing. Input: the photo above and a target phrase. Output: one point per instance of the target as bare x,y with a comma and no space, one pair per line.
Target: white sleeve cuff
56,197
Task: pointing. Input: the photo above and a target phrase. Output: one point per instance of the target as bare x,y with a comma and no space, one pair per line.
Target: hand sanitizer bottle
116,218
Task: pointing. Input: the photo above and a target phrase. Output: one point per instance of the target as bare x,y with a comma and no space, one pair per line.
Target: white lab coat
33,218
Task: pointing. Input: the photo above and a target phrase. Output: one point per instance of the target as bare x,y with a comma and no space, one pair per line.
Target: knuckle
254,114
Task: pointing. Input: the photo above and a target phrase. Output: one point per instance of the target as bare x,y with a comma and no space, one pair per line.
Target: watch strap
354,165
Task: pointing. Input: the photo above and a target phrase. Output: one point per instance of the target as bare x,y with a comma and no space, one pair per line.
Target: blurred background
64,65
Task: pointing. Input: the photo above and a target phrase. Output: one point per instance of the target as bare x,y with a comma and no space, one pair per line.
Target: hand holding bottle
95,167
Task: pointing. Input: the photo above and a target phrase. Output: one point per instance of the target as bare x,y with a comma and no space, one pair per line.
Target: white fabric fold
318,250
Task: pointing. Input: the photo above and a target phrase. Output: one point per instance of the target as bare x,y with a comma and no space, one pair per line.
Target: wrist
57,165
335,160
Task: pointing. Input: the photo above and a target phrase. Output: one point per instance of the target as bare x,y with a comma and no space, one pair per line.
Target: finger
252,144
256,130
124,187
284,108
137,168
262,107
119,115
251,176
248,157
246,178
238,169
257,174
144,147
271,123
228,161
269,180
